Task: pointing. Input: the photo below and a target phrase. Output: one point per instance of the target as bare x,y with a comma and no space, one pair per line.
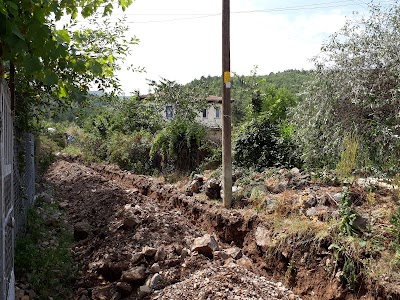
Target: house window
205,113
169,113
217,112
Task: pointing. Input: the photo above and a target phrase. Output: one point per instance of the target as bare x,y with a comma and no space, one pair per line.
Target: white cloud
187,49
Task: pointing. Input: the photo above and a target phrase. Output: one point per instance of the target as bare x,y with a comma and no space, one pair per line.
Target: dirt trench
98,194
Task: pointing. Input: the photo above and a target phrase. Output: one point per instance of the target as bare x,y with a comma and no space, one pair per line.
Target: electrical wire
322,5
360,3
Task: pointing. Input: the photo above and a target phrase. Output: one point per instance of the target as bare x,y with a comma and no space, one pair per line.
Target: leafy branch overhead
64,59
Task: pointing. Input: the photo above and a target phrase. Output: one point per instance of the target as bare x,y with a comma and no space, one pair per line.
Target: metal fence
7,220
24,180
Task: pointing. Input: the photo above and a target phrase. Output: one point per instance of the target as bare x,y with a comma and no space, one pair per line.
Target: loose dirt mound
131,246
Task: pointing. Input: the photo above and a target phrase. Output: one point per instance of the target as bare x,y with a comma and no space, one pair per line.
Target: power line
318,5
360,3
315,6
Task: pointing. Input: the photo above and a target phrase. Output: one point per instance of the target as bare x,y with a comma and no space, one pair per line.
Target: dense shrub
260,143
47,152
94,147
180,144
355,90
131,152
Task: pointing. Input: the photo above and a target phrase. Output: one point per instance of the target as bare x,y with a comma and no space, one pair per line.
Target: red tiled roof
214,99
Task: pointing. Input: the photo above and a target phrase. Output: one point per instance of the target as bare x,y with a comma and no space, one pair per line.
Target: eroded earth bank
137,238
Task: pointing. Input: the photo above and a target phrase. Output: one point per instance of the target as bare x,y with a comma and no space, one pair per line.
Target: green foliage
135,114
131,152
214,156
30,40
187,101
355,89
277,102
72,151
48,149
94,147
350,273
395,229
256,103
348,225
49,269
120,131
180,144
259,144
348,157
244,88
54,66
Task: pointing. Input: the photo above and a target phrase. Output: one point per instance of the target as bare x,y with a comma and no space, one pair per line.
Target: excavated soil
135,236
127,229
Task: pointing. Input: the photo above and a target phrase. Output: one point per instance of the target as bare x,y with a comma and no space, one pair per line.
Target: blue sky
181,39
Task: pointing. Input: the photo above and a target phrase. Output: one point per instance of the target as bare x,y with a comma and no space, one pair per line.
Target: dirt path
131,246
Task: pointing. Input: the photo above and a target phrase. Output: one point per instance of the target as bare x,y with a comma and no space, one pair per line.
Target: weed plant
348,156
348,216
43,255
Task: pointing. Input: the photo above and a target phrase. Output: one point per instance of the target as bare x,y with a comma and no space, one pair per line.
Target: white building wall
212,119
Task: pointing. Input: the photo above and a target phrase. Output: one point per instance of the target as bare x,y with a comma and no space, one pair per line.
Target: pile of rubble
151,273
129,246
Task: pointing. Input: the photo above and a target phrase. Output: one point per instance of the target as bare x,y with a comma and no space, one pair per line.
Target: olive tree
355,90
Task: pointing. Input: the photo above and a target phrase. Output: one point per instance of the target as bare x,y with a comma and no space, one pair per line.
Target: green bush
180,144
49,267
348,156
260,143
213,157
47,153
131,152
94,147
395,229
355,88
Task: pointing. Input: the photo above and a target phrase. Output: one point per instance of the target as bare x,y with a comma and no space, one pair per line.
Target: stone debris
185,252
144,291
262,237
153,281
24,292
136,247
221,255
160,255
82,230
155,268
195,185
124,288
226,282
135,274
213,189
205,245
234,252
149,251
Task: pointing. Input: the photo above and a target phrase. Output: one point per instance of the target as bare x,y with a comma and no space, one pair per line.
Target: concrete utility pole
226,106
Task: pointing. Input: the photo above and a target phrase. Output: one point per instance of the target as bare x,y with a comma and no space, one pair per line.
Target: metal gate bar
7,196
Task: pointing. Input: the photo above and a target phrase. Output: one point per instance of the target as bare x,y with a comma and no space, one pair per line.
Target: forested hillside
292,80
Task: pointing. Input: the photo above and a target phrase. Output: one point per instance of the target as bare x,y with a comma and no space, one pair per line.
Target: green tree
277,101
136,114
355,90
257,102
107,44
179,144
260,143
186,101
290,84
52,64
